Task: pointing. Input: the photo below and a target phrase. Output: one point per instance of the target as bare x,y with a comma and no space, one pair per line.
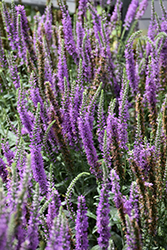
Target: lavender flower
81,225
116,189
59,234
90,150
133,236
62,67
123,116
101,121
131,13
142,8
8,153
36,157
68,34
103,218
3,170
130,67
115,14
82,9
32,231
25,31
3,62
97,23
150,92
48,23
20,40
10,26
22,110
53,208
14,73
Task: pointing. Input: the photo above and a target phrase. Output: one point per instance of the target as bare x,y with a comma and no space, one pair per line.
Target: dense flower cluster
83,95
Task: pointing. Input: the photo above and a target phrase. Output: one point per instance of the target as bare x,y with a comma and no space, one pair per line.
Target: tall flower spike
123,114
20,40
32,230
142,8
68,34
3,170
81,225
106,153
90,150
150,95
102,220
36,157
130,64
62,66
86,55
53,207
26,31
131,13
82,9
133,236
113,141
118,200
101,121
10,26
3,62
59,233
14,73
22,109
116,12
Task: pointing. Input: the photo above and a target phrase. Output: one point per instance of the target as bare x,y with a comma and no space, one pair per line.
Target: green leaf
91,215
96,248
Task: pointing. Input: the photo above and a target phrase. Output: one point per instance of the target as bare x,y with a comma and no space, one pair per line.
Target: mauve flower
101,122
23,111
82,7
87,139
130,67
53,208
142,8
3,170
102,220
81,226
3,62
8,153
123,115
36,157
114,16
32,230
68,34
59,234
62,66
10,26
48,23
131,13
116,189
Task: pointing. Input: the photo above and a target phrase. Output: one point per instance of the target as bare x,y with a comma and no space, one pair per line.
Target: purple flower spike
101,121
3,170
68,34
53,208
3,62
87,139
81,225
103,218
131,13
82,9
130,67
142,8
22,110
8,153
36,157
116,188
